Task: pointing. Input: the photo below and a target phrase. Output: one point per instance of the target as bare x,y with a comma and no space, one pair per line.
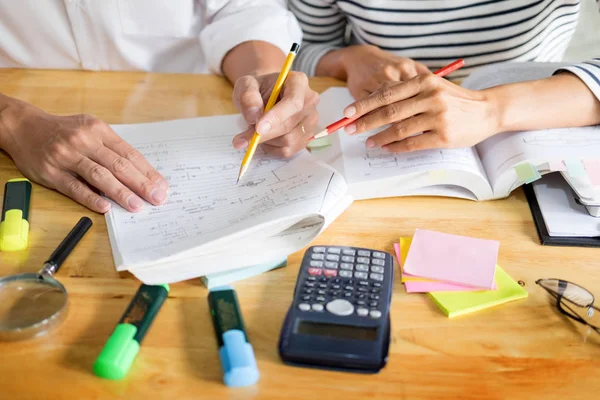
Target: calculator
339,318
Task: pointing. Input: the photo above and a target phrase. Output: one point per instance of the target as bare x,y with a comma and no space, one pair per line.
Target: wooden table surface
524,349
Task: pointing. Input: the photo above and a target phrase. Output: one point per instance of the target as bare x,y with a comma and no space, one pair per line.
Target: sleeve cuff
309,57
588,72
277,27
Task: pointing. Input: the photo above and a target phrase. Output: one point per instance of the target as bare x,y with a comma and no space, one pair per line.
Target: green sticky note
322,142
575,168
454,304
527,173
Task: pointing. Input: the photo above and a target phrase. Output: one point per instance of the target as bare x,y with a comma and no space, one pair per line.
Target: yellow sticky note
405,243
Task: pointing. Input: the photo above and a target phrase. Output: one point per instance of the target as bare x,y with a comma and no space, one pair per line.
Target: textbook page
360,165
500,153
205,205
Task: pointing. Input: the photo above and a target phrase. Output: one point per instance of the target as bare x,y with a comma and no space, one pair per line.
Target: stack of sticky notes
460,273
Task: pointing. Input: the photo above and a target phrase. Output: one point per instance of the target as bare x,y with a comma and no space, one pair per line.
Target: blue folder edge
227,277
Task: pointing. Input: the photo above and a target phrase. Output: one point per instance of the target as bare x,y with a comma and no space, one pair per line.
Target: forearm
252,58
332,65
9,117
560,101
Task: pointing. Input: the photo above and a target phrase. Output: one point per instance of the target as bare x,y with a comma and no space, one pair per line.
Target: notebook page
204,203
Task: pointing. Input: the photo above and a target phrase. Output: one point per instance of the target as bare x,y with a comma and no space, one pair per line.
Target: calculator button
378,254
363,283
362,312
348,259
316,256
376,290
330,272
348,294
308,291
361,275
362,260
346,266
374,297
376,284
335,294
304,307
376,269
361,302
340,307
311,278
378,262
362,296
337,280
324,279
345,274
332,265
334,250
363,289
317,307
314,271
333,257
306,298
322,286
349,288
316,264
320,298
348,252
375,314
335,287
309,284
364,253
371,304
376,277
318,249
321,292
362,267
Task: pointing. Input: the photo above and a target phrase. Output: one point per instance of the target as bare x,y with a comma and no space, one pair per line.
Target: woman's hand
425,112
366,67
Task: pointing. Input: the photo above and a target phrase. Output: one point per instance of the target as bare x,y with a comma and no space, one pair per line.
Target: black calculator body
339,318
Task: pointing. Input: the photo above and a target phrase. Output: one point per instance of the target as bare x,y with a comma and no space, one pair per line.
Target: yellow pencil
287,66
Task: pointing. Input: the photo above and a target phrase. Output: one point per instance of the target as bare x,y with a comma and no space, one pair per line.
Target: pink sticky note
557,166
593,170
452,258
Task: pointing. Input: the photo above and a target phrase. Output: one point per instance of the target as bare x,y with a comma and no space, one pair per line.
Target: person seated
247,41
385,51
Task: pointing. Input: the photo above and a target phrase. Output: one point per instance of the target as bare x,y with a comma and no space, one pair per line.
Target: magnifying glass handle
67,245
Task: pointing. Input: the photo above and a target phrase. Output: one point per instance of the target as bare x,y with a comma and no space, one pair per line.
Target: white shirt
177,36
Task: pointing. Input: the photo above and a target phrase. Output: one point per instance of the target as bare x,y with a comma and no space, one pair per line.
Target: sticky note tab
556,166
452,258
593,170
575,168
437,175
527,173
454,304
322,142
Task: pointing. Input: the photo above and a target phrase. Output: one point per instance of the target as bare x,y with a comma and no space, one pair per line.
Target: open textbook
209,223
486,171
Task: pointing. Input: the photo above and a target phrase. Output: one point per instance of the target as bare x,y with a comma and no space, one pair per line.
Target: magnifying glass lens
24,303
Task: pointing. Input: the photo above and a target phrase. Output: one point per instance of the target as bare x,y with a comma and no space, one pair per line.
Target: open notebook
489,170
209,223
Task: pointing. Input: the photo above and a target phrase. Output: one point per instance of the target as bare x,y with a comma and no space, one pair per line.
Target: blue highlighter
235,351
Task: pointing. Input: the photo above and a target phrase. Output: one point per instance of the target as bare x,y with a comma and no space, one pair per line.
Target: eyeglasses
573,300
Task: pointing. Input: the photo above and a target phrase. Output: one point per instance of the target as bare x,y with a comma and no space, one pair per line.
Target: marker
14,228
123,345
236,353
347,121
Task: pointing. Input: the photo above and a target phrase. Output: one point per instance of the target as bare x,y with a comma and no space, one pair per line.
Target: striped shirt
437,32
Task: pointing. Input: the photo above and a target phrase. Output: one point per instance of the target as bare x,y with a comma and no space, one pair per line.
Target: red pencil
347,121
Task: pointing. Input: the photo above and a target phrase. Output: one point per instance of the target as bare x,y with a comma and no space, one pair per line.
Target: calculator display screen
337,331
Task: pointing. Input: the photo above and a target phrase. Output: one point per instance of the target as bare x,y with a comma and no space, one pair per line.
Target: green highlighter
122,347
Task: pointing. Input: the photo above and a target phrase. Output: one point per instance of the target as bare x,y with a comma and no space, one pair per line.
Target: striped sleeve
324,28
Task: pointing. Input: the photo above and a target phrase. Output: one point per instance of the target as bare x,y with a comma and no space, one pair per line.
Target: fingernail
163,184
158,195
263,128
240,143
370,143
103,204
351,128
135,203
252,115
350,111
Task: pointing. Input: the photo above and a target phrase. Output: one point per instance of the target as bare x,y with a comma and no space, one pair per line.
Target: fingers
289,144
424,141
392,113
248,99
101,178
285,115
72,187
124,149
241,140
389,95
130,176
400,131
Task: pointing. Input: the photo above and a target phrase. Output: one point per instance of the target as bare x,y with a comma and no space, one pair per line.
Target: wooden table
524,349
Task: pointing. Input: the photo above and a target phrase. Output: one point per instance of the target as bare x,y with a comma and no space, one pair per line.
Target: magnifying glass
31,304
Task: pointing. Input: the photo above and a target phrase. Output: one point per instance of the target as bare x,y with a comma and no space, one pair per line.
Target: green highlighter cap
118,353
